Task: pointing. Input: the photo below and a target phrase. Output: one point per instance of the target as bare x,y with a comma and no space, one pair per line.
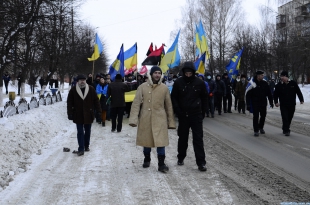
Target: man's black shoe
80,153
87,149
287,133
180,162
103,124
112,130
262,131
202,168
256,134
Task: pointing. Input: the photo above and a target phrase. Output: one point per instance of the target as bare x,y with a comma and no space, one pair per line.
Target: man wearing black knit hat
190,102
286,91
256,101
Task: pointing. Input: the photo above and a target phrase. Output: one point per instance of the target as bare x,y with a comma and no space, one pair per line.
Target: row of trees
43,37
228,31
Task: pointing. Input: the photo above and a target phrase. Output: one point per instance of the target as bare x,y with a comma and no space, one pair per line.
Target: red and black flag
154,57
150,50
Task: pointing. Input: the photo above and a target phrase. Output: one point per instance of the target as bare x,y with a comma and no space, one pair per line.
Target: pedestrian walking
219,94
116,93
102,91
82,99
212,90
152,112
234,84
257,92
19,82
285,92
240,93
190,102
227,99
6,78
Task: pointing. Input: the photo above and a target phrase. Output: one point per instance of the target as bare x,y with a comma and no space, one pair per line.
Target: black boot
103,124
147,161
162,167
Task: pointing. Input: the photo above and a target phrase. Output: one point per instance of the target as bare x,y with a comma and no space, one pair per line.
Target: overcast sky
141,21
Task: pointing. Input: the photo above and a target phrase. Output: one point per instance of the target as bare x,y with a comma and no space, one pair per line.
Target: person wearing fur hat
239,93
152,112
116,92
190,102
285,92
256,99
82,99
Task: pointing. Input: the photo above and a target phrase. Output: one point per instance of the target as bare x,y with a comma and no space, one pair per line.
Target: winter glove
70,117
211,94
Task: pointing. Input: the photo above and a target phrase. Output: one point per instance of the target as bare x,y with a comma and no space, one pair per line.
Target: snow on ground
32,137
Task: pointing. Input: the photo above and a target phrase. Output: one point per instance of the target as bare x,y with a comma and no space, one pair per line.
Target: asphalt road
289,153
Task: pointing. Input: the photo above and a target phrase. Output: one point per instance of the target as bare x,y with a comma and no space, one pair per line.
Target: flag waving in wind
202,40
172,57
200,64
118,65
130,58
233,66
98,48
154,57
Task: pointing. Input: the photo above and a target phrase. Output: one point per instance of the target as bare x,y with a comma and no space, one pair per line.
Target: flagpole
93,71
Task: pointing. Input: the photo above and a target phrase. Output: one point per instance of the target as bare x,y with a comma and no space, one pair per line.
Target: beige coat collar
79,91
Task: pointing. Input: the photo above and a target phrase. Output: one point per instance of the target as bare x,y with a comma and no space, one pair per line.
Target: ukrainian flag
172,57
130,57
200,64
197,42
98,48
203,40
118,65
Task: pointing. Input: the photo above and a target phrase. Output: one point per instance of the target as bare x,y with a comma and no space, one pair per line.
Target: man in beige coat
152,112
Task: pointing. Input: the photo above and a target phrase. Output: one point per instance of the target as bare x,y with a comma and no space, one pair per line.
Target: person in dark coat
102,91
19,80
240,93
116,93
89,80
82,99
212,90
97,80
32,82
256,101
219,94
190,102
234,84
42,81
227,99
6,78
285,92
272,85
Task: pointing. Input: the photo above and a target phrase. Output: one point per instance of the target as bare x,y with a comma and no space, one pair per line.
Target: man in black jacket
256,101
219,94
227,99
190,102
286,92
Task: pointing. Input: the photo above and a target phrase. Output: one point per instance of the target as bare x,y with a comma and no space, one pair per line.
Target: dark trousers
195,123
128,108
160,150
210,105
258,123
287,113
6,87
108,112
83,135
32,89
19,85
117,112
241,106
228,99
236,102
218,98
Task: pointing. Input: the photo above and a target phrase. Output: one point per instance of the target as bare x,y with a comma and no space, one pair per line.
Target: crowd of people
187,96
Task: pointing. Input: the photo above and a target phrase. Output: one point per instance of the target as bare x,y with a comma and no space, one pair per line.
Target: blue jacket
207,85
6,78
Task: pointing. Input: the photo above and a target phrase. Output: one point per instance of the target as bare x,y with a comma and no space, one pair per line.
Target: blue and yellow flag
172,57
117,67
203,40
197,41
200,64
98,48
233,66
130,57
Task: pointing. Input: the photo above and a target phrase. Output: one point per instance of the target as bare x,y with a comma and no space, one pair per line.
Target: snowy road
242,169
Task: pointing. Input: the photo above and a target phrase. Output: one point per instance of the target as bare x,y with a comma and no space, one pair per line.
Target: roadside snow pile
24,134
